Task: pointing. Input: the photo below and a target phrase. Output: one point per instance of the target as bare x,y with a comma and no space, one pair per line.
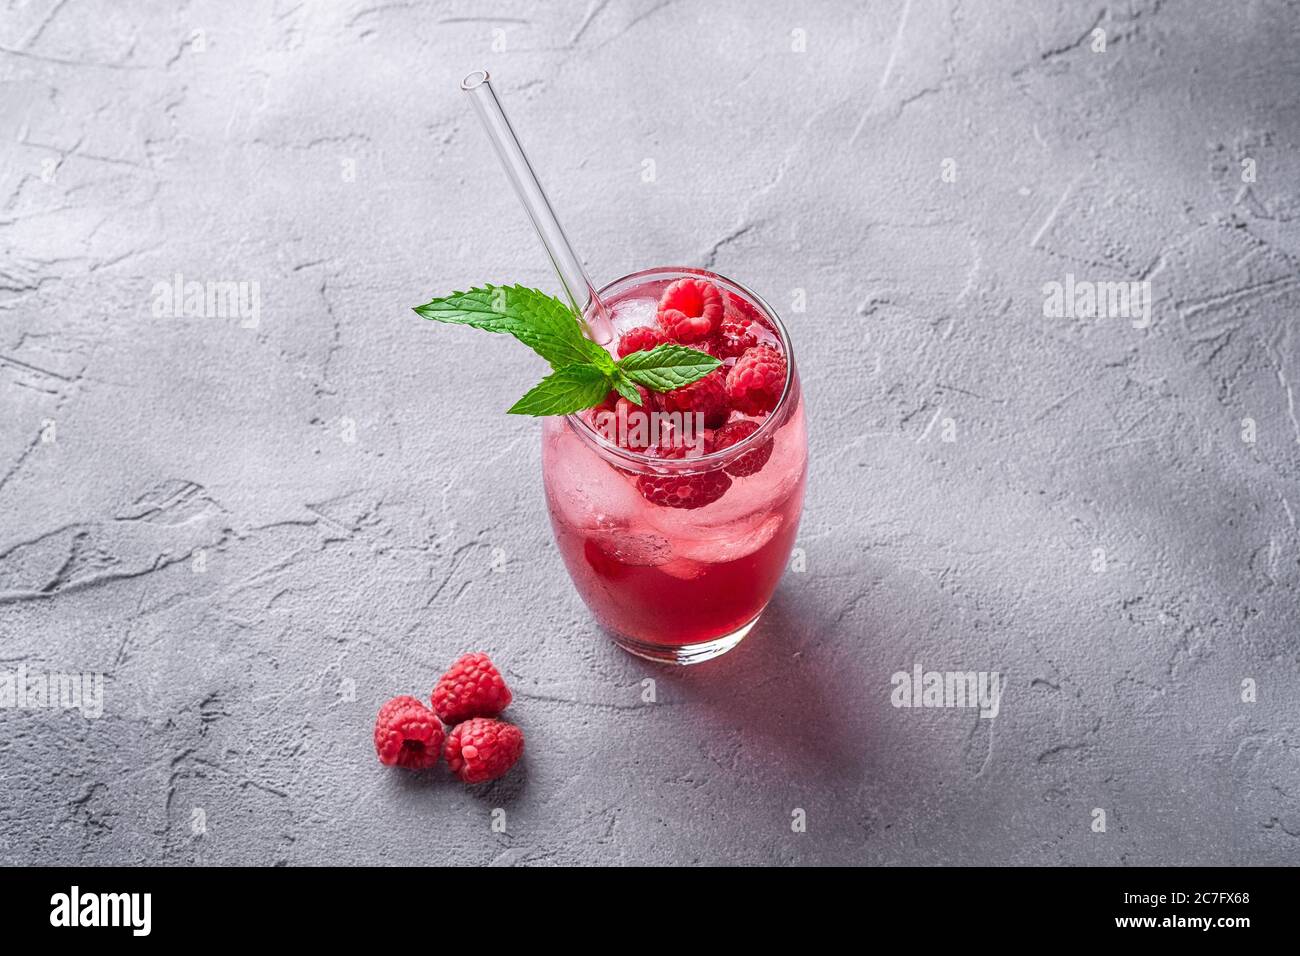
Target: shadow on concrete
784,692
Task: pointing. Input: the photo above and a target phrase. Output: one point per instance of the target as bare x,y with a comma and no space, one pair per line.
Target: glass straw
577,284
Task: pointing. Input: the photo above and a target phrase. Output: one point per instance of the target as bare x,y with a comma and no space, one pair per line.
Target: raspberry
678,446
611,401
751,462
683,491
735,335
480,750
741,309
640,339
472,687
756,381
407,734
739,328
625,424
707,396
690,310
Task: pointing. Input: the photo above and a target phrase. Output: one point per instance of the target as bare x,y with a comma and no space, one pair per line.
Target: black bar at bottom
236,904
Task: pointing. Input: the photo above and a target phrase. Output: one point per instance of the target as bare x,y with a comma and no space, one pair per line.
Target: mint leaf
566,390
542,322
666,367
626,387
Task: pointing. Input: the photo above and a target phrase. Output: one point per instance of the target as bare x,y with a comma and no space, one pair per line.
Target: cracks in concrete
636,21
64,583
594,9
1056,52
947,66
335,344
894,47
711,256
1277,348
70,388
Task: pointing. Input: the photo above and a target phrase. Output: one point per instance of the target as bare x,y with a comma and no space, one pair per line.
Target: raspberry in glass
707,395
690,310
683,491
625,423
643,338
735,336
755,382
752,461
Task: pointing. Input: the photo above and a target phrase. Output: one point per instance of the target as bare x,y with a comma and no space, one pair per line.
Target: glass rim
713,459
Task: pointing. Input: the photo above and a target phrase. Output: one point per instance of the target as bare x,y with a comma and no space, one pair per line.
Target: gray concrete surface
258,531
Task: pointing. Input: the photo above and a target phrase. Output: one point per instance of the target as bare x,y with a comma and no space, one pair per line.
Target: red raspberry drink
677,526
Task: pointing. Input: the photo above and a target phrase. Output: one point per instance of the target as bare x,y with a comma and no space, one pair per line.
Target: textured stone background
323,151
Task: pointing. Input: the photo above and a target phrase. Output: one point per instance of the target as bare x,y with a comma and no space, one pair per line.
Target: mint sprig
666,367
583,373
543,323
565,390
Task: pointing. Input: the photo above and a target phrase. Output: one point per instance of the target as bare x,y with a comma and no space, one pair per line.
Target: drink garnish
583,373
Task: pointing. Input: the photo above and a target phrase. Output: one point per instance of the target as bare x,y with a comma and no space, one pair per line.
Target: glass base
686,653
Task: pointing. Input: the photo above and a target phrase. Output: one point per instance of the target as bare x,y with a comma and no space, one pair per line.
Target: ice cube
629,313
635,548
729,543
586,492
683,568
